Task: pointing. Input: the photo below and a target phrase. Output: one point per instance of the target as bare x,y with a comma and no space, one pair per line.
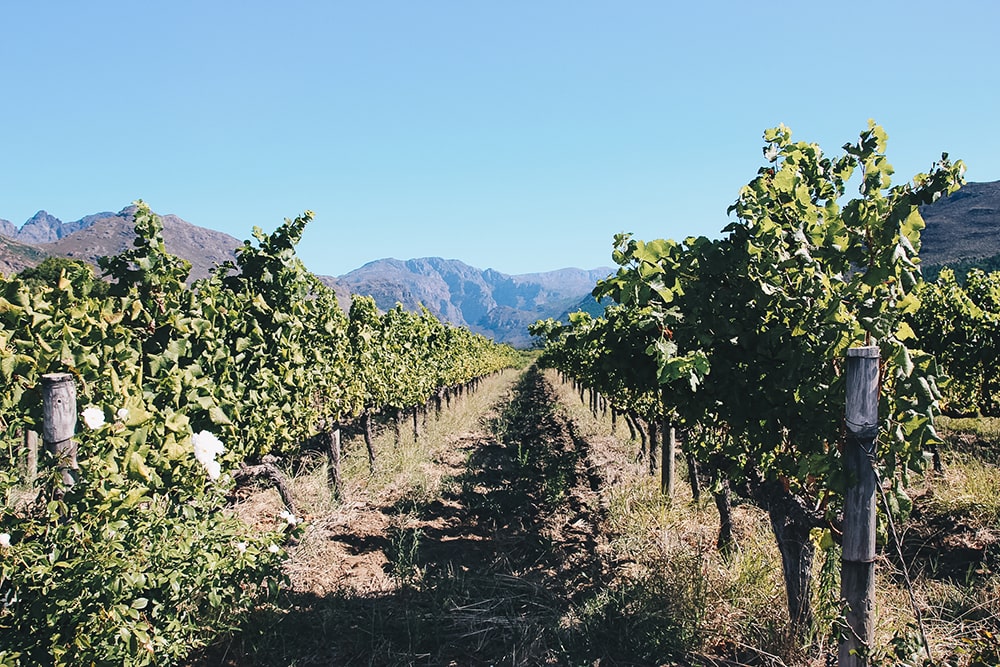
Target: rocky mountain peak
41,228
45,228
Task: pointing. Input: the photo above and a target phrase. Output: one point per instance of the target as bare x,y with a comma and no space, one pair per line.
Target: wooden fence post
858,566
59,423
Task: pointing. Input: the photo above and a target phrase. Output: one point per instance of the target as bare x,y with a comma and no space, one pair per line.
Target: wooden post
651,425
366,424
858,566
333,462
59,423
31,454
668,449
693,478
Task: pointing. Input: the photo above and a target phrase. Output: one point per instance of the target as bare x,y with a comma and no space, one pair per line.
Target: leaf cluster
747,333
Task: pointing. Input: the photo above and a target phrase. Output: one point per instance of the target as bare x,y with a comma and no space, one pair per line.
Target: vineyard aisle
477,545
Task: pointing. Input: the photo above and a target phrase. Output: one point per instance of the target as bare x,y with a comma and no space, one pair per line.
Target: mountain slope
110,233
43,228
7,229
485,301
15,257
103,234
964,226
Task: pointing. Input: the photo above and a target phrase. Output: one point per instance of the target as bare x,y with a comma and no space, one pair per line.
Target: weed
403,552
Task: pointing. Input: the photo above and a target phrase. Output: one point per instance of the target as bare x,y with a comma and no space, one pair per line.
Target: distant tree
79,274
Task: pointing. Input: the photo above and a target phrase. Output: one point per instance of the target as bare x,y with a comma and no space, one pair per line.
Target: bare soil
487,571
532,539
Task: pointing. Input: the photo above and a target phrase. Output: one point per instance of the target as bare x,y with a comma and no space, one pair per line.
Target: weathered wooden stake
858,566
366,424
31,454
333,462
693,477
59,424
651,425
668,449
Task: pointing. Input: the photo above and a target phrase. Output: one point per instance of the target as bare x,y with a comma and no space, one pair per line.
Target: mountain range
485,301
961,229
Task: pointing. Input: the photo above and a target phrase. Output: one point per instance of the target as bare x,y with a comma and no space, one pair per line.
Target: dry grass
732,607
475,547
737,603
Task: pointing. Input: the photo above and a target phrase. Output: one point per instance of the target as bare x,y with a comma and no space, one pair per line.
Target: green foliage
748,332
53,271
961,268
960,325
140,561
125,572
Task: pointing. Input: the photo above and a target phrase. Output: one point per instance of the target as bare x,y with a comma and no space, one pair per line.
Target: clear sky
517,135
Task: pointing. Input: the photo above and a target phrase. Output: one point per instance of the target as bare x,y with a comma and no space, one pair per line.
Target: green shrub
126,570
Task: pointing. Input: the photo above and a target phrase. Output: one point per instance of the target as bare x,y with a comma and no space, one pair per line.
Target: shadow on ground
503,570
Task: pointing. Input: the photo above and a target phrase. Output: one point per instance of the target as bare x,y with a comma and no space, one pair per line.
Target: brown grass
519,533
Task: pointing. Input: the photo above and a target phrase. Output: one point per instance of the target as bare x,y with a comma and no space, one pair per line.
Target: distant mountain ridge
103,234
963,228
485,301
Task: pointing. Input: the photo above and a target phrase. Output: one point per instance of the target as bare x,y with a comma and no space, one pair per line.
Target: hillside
15,256
103,234
964,226
485,301
109,233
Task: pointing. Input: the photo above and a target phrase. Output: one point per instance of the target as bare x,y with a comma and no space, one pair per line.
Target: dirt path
486,571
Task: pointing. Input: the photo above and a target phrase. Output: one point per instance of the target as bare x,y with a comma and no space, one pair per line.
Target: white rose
93,418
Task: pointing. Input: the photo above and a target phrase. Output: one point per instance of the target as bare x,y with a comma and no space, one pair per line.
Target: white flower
206,448
241,547
213,468
4,540
122,414
289,517
93,418
273,548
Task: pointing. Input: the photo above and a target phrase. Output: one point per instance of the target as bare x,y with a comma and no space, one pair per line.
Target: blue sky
513,135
